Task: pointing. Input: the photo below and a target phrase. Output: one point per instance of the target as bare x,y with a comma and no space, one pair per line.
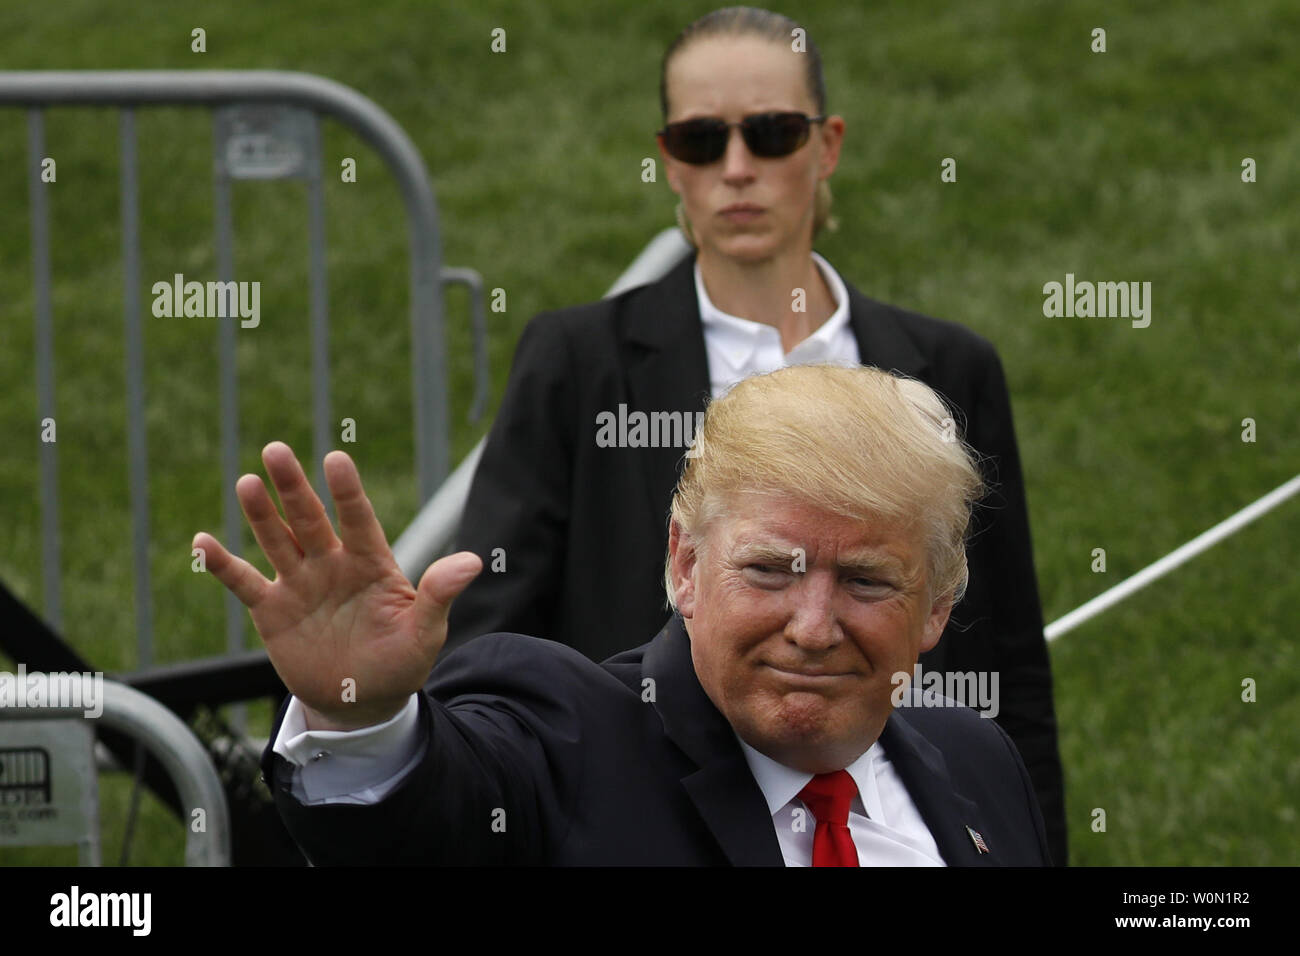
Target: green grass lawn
1124,165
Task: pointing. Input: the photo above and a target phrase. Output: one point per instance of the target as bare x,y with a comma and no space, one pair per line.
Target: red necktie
828,796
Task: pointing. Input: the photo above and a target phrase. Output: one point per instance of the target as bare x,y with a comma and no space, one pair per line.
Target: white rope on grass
1202,542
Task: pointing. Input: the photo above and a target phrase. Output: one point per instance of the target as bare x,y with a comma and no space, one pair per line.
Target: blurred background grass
1117,166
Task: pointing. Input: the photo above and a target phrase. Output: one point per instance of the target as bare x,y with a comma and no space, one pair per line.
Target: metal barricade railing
265,126
30,763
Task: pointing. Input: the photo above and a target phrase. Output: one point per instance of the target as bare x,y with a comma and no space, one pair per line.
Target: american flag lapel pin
978,840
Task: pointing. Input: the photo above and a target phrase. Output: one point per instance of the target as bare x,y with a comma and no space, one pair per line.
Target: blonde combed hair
852,441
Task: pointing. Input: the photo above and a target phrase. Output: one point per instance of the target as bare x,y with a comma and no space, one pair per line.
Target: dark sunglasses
701,141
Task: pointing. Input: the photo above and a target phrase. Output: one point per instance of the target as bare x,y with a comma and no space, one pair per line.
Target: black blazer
536,755
583,530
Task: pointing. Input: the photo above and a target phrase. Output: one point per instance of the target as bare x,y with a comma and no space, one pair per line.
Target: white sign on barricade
48,785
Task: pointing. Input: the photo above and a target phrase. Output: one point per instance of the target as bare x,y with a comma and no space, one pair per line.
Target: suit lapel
668,366
667,370
722,788
946,813
882,338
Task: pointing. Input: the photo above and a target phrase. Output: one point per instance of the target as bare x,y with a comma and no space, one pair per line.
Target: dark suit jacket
576,766
584,530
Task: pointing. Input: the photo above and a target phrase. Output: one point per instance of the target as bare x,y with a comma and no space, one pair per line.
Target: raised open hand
345,630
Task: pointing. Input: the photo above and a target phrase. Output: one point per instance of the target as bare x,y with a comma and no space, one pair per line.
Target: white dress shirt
886,827
356,766
738,348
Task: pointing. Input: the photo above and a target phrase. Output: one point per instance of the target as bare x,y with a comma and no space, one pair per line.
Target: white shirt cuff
353,766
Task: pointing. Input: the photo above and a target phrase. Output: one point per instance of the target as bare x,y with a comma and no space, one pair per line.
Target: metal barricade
265,126
47,751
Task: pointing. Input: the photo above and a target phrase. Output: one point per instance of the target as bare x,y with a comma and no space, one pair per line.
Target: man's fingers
358,527
272,533
243,580
303,510
440,585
